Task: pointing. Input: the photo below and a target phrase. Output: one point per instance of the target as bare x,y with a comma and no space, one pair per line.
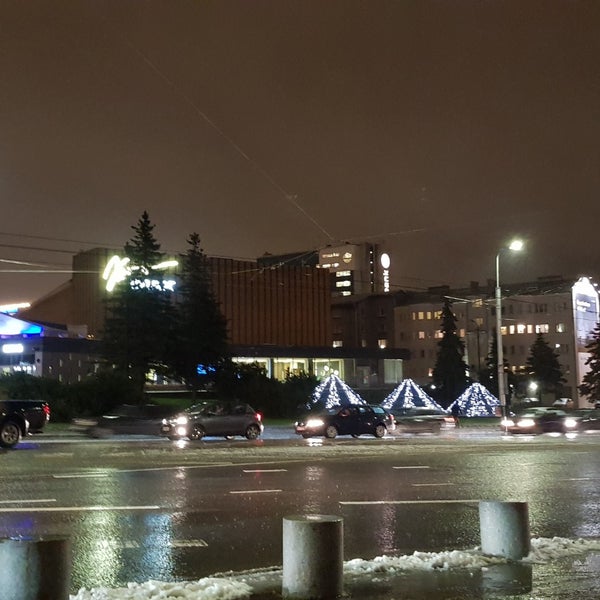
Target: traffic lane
208,519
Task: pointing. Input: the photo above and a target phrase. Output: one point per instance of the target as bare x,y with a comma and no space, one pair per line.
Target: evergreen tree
489,374
201,344
590,385
139,315
543,365
450,371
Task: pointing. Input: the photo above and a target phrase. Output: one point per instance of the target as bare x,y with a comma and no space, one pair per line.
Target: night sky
438,128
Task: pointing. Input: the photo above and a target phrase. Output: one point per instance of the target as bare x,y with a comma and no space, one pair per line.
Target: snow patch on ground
234,586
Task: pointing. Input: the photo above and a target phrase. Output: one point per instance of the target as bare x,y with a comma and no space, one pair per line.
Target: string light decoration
333,392
477,401
409,395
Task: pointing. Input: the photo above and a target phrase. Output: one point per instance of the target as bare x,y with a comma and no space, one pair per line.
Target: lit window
461,333
542,328
343,274
511,329
429,315
529,328
421,315
338,343
343,283
503,330
438,335
382,343
560,328
421,335
521,328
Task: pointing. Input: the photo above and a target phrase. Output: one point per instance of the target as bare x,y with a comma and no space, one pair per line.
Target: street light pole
515,245
500,350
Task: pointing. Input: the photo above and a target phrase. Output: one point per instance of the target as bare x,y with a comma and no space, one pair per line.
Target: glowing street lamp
515,246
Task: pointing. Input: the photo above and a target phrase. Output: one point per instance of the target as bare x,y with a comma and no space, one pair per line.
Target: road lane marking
189,544
24,501
129,544
429,484
374,502
255,491
264,470
75,508
79,475
414,467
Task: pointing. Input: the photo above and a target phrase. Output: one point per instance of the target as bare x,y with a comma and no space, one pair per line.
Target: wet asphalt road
140,509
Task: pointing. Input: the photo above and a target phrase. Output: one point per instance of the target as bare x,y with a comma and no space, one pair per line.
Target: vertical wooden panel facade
283,306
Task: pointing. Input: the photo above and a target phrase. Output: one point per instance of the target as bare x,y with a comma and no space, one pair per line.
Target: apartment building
564,311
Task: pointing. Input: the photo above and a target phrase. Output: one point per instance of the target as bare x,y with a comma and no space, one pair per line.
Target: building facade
564,311
278,314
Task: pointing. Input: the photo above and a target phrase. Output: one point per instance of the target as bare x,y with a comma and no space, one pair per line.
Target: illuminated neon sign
118,269
385,261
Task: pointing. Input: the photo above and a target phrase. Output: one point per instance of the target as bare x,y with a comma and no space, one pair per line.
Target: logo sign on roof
118,269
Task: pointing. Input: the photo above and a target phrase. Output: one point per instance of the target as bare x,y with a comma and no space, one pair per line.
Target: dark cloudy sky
440,128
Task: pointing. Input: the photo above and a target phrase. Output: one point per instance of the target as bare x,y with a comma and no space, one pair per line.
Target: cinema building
278,315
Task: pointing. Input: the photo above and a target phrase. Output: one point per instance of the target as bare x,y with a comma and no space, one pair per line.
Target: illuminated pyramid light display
333,392
476,401
409,395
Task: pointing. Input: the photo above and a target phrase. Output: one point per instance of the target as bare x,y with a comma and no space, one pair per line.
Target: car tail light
46,409
258,416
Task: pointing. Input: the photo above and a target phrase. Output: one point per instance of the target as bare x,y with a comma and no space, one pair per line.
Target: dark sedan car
422,420
127,419
585,420
348,420
221,419
540,420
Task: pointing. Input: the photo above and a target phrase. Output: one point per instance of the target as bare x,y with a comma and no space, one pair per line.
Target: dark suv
215,418
348,420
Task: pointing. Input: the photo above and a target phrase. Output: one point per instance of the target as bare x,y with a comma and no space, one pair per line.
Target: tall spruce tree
201,342
450,371
590,385
139,314
489,374
543,365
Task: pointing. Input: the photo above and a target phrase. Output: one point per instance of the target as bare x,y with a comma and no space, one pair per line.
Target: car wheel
380,431
252,432
331,432
197,433
10,434
99,433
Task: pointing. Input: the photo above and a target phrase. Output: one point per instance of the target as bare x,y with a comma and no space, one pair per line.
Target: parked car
347,420
20,417
539,420
422,420
564,403
127,419
215,418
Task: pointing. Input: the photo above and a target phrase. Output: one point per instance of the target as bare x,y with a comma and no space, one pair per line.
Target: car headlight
181,420
315,423
507,423
570,422
525,423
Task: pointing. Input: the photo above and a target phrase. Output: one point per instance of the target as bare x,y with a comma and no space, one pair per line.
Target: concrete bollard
35,568
504,529
313,557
